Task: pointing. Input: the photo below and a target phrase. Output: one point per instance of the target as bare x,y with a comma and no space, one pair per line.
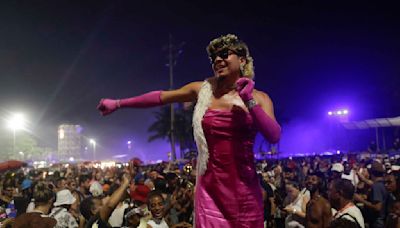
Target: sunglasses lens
223,54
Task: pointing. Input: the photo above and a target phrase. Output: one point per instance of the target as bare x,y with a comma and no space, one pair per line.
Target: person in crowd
172,181
72,186
171,214
140,193
289,174
393,218
343,223
155,204
74,209
295,205
392,185
84,186
269,200
350,172
341,193
97,214
22,200
61,184
337,171
133,217
376,201
61,211
228,97
7,194
44,198
90,207
318,212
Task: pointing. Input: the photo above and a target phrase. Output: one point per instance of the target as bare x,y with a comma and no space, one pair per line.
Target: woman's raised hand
245,88
107,106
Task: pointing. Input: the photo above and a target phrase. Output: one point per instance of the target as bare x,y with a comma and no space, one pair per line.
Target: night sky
58,58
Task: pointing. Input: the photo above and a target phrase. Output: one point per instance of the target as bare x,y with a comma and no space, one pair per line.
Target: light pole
173,52
16,122
93,143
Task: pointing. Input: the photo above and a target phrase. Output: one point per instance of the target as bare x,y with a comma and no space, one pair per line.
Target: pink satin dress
229,193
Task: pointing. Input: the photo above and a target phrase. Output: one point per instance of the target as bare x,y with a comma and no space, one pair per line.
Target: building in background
69,142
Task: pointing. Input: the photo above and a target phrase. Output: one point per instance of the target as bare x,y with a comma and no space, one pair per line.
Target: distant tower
69,141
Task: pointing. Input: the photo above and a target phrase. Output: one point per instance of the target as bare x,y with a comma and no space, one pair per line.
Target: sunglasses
223,54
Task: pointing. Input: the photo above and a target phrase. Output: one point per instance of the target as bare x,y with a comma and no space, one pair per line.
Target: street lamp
16,122
93,143
22,155
339,113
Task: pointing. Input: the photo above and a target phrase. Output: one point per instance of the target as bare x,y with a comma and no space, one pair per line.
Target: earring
241,69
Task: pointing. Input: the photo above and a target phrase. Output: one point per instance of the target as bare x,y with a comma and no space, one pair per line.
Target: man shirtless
318,212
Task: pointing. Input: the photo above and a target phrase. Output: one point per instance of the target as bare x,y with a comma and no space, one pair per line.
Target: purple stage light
339,112
345,111
330,113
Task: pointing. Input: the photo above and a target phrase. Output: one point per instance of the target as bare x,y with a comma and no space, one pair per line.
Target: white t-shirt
31,206
63,217
290,221
163,224
117,217
353,211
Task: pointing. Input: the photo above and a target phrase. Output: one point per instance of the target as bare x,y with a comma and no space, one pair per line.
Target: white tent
374,123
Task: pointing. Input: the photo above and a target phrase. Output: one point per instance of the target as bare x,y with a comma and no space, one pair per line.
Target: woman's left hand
245,88
288,209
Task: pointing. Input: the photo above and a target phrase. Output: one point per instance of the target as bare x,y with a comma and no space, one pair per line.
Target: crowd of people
316,191
81,196
333,191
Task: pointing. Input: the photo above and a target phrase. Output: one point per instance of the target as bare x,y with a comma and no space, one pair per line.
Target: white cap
337,167
64,197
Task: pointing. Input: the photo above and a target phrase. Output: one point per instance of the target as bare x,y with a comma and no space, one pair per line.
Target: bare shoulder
195,86
262,97
327,205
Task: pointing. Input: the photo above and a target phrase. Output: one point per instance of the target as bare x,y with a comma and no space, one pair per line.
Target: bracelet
118,103
251,103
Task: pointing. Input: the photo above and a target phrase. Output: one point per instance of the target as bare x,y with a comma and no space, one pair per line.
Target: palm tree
183,130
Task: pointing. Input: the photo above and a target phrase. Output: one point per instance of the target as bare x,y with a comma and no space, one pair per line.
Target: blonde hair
233,43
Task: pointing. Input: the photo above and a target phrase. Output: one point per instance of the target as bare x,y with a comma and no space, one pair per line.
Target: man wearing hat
375,202
337,171
60,212
139,195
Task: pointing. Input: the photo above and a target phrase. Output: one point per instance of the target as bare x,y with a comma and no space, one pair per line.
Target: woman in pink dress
227,116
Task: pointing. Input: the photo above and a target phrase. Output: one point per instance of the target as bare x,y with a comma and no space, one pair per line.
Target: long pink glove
151,99
268,127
